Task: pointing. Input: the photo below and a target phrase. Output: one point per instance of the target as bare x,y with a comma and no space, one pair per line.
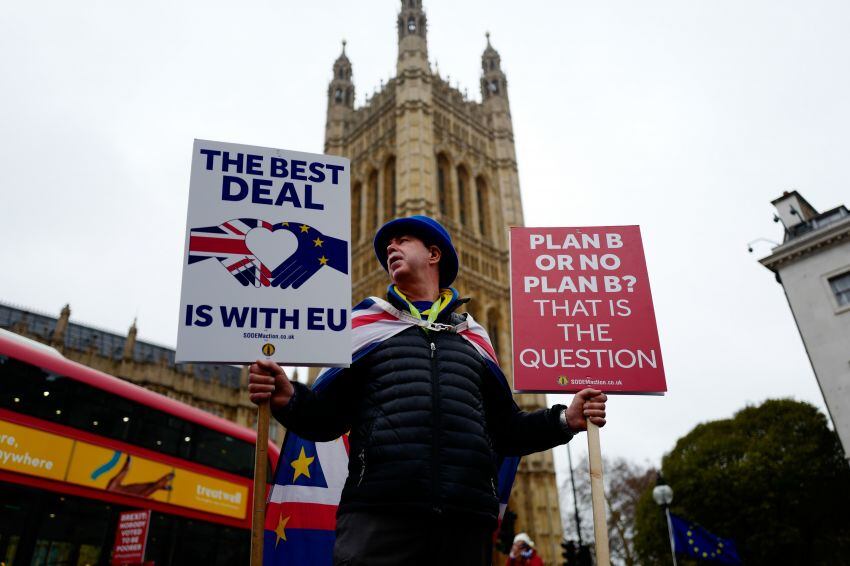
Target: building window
444,197
840,285
389,189
372,206
356,212
483,207
463,202
441,188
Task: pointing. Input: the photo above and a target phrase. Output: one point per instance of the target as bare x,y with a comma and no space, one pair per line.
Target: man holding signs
435,436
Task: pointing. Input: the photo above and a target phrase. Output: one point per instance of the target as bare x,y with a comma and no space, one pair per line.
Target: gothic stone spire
341,89
493,80
412,36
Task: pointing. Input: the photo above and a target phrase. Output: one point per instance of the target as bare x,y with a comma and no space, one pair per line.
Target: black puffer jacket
427,420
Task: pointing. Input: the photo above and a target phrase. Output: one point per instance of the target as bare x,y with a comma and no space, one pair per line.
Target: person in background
523,553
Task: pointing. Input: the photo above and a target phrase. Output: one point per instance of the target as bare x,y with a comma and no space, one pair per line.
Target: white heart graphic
271,248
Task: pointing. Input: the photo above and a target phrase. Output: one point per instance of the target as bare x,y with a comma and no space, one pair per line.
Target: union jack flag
302,504
226,243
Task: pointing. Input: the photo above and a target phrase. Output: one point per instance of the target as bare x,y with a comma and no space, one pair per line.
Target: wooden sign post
261,464
597,493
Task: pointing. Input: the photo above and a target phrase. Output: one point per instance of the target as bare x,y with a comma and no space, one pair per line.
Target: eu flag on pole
694,541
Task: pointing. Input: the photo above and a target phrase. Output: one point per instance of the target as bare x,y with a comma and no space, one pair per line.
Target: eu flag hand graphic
315,251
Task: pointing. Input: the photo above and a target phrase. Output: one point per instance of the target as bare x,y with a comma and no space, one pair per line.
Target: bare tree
625,481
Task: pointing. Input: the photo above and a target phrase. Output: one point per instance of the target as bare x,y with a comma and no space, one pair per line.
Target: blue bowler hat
429,231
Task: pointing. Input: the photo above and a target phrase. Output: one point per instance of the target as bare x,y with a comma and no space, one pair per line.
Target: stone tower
420,146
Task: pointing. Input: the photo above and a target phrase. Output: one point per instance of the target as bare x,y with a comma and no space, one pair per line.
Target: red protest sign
131,537
581,311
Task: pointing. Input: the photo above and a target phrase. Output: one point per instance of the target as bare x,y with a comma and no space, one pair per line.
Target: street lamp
663,496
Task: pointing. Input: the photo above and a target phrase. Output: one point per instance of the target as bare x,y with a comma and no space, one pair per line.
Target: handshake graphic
236,243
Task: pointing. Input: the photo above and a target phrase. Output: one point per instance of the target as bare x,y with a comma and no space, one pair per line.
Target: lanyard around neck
433,312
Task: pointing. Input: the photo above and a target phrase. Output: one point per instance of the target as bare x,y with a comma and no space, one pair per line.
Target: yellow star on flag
280,530
304,228
284,223
318,242
302,465
323,260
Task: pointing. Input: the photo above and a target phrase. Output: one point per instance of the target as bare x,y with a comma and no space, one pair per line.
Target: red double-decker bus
78,447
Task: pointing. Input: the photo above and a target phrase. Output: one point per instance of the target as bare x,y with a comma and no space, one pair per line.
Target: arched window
338,95
462,194
356,212
371,211
411,24
389,189
444,196
483,206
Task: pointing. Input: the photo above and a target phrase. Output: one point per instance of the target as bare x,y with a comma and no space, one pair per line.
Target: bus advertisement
79,447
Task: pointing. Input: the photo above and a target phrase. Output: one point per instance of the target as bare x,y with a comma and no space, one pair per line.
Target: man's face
408,258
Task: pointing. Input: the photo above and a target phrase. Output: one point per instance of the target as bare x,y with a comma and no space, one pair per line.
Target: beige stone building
420,146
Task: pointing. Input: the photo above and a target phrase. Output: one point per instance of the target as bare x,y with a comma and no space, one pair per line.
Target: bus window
41,527
219,450
49,528
32,391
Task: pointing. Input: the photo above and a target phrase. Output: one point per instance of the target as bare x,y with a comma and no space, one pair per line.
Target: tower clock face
493,86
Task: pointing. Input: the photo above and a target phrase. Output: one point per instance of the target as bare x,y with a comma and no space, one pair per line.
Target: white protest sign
266,266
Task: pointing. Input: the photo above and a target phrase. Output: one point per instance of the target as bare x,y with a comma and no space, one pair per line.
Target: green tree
773,478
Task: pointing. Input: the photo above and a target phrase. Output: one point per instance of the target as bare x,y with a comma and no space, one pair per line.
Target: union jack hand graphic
226,243
315,251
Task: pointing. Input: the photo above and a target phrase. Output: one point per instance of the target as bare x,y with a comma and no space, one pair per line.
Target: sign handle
597,491
261,459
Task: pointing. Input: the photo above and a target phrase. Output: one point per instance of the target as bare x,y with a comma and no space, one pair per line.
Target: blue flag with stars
693,541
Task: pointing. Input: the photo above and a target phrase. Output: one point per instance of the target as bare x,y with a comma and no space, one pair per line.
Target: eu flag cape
302,504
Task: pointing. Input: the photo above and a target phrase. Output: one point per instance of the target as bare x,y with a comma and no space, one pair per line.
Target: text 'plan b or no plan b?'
582,311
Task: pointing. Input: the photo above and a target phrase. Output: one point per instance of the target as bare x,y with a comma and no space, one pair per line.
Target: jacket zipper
435,399
362,466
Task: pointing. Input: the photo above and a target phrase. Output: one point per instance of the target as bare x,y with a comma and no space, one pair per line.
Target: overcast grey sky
684,117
